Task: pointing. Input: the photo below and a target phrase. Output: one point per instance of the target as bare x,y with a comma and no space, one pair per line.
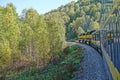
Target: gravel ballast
91,67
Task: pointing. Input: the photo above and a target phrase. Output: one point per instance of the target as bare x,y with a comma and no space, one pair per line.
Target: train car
93,38
81,37
86,37
95,41
110,37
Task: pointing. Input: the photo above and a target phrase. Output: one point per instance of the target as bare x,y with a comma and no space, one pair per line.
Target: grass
63,69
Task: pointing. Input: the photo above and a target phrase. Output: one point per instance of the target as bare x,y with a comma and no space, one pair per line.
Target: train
107,43
93,38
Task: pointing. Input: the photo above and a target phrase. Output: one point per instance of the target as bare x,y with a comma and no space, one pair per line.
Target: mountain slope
80,16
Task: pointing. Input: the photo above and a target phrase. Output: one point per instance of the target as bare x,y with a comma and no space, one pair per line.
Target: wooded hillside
80,16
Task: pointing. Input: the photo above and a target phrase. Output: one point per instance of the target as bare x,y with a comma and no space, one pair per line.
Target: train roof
92,31
89,32
97,31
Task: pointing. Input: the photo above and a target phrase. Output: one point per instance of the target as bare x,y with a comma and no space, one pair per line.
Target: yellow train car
86,37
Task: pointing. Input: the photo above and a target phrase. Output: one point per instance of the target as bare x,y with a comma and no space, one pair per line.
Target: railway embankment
91,66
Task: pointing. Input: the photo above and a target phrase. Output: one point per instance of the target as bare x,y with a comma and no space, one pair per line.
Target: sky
42,6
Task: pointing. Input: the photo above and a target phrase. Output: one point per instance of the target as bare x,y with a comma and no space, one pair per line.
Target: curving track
91,68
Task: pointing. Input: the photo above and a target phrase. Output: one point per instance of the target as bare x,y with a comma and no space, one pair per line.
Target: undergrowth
63,69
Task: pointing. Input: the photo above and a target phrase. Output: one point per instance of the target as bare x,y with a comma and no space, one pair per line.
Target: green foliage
56,28
30,37
70,58
5,52
9,32
81,15
94,25
31,17
41,37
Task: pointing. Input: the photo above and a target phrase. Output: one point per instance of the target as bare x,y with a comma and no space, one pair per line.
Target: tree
97,16
31,18
5,52
80,30
41,36
25,38
56,33
71,10
94,26
10,29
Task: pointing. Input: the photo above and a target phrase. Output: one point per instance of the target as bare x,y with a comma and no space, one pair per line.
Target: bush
67,66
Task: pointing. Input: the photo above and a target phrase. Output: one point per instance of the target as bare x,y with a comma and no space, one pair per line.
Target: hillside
80,16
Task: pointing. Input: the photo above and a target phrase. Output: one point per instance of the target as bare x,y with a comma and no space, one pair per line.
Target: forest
34,40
